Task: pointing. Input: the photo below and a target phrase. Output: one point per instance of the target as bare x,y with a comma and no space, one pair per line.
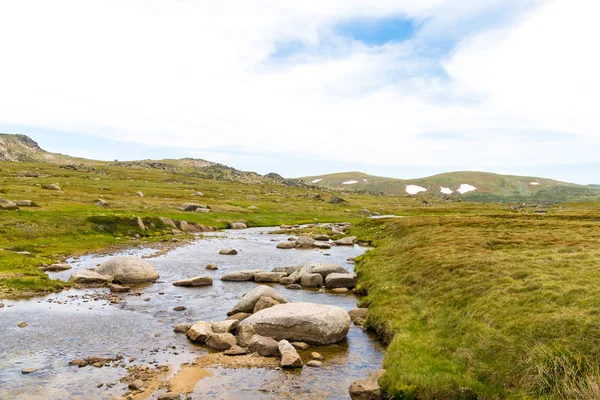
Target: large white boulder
247,303
129,269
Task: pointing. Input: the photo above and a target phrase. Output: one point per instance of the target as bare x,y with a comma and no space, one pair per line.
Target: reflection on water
79,323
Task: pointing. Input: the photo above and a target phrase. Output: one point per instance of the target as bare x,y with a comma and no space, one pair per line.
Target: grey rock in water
221,341
263,345
289,355
247,303
285,245
271,277
129,269
200,332
228,252
335,280
311,280
241,276
193,282
88,277
368,388
347,241
305,242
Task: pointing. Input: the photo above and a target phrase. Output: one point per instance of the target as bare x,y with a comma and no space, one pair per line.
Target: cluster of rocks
317,241
14,205
265,323
185,226
311,275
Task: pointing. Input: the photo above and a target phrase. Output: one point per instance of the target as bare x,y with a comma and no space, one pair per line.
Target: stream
78,323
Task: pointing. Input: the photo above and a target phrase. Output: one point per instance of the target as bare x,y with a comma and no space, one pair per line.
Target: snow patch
466,188
414,189
446,190
349,182
534,183
317,180
366,181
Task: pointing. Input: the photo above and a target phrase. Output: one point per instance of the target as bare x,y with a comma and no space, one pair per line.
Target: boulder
358,313
326,269
25,203
238,225
52,186
189,227
7,205
293,286
288,280
182,328
241,276
368,388
265,346
228,252
197,281
224,326
239,316
287,270
202,210
245,334
191,206
200,332
57,267
114,288
289,355
272,277
322,245
247,303
285,245
336,280
311,280
198,194
139,194
347,241
221,341
88,277
305,242
301,322
322,238
140,223
265,302
168,222
129,269
212,267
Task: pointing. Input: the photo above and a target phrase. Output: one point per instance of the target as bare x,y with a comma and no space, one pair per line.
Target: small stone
147,299
136,385
78,363
316,356
182,328
300,345
314,363
1,305
28,371
294,286
228,252
236,351
114,288
212,267
23,324
179,308
169,396
289,355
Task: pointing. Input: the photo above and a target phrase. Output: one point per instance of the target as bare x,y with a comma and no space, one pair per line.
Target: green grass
494,306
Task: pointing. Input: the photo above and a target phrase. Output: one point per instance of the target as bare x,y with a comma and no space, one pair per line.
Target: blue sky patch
377,32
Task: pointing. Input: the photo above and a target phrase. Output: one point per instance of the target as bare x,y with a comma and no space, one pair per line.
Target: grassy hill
464,185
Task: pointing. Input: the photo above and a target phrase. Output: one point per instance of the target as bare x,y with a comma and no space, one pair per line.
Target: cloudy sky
400,88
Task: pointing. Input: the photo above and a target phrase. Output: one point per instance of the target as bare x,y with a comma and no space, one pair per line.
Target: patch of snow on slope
366,181
414,189
534,183
466,188
446,190
349,182
317,180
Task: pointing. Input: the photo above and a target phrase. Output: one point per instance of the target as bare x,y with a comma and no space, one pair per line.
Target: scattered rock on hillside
102,203
129,269
7,205
168,222
337,200
25,203
139,194
52,186
198,194
197,281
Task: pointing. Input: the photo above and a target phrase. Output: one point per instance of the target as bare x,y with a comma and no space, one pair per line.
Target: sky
398,88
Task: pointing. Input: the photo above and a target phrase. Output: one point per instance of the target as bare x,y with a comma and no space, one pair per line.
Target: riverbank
498,306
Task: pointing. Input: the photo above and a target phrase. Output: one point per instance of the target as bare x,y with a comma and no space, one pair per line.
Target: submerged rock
197,281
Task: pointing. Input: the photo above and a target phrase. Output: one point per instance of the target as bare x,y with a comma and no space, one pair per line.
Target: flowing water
79,323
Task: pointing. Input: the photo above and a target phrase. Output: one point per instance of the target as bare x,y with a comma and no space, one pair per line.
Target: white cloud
199,75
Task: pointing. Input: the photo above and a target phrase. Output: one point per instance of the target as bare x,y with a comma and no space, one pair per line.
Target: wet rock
182,328
358,313
239,316
56,267
52,186
293,286
200,332
114,288
1,305
78,363
289,355
305,242
228,252
311,280
247,303
288,280
88,277
28,371
300,345
322,245
368,388
322,238
212,267
340,290
236,351
197,281
302,322
272,277
129,269
245,335
316,356
8,205
265,302
221,341
347,241
138,384
265,346
241,276
327,269
179,308
224,326
314,363
287,270
238,225
285,245
335,280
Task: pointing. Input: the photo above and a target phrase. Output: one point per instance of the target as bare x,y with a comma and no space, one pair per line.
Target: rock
239,316
314,363
301,322
140,223
202,210
238,225
191,206
200,332
221,341
169,396
88,277
247,303
241,276
23,324
294,286
224,326
102,203
7,205
265,346
368,388
23,253
287,280
129,269
289,355
358,313
300,345
265,302
316,356
78,363
52,186
335,280
253,208
182,328
188,227
57,267
197,281
212,267
228,252
1,305
168,222
114,288
245,335
138,384
25,203
311,280
322,245
272,277
305,242
340,290
285,245
179,308
139,194
347,241
287,270
28,371
198,194
337,200
322,238
236,351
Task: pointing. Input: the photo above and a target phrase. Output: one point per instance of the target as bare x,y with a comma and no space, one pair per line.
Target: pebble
316,356
300,345
147,299
179,308
1,305
28,371
314,364
23,324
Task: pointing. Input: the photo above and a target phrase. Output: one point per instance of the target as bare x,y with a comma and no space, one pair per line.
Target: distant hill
21,148
467,185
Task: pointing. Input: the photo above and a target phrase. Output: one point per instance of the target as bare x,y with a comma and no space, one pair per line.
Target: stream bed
80,323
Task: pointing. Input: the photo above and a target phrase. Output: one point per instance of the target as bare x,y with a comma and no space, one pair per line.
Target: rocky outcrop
89,277
368,388
304,322
289,355
129,269
197,281
247,303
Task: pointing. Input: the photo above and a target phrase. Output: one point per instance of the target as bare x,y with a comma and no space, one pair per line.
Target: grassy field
487,305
